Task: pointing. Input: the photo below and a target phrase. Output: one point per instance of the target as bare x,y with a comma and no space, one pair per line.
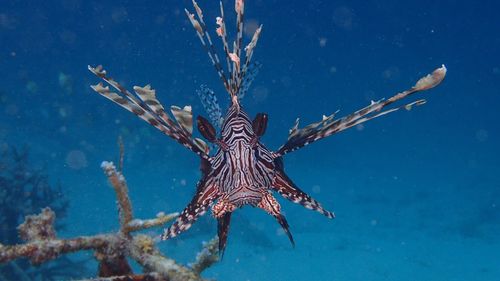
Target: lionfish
242,171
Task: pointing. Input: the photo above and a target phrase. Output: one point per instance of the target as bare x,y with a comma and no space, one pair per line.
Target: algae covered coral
25,190
112,250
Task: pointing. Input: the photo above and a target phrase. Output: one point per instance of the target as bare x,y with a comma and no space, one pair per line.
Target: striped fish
242,170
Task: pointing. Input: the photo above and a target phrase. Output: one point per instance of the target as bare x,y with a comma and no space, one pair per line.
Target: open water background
416,193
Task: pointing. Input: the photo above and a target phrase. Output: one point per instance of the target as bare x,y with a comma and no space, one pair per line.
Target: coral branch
38,227
160,220
120,186
111,250
43,250
152,260
141,277
207,256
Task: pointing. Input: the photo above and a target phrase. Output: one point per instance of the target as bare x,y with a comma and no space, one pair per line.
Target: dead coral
38,227
112,249
25,190
207,257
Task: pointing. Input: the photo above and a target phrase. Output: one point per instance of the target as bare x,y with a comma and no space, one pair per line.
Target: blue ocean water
416,193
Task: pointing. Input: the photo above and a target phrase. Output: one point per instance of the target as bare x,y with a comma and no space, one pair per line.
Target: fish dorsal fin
233,76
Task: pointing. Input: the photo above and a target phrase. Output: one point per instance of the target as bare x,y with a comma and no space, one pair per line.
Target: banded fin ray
286,188
249,49
206,41
248,78
236,71
299,138
183,116
146,107
206,193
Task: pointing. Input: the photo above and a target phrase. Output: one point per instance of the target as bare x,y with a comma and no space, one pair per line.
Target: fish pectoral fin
188,216
200,203
284,186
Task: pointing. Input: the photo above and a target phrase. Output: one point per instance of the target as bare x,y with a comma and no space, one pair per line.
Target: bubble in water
260,93
119,14
76,159
250,26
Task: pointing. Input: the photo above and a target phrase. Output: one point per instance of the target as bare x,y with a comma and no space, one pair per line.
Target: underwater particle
65,82
260,93
63,112
119,14
250,27
183,182
360,127
286,81
160,19
481,135
32,87
68,37
343,17
76,159
70,5
279,231
373,222
391,73
3,97
7,22
316,188
333,70
11,109
322,42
